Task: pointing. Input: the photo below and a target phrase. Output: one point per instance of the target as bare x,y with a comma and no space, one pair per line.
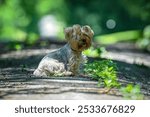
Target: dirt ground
17,81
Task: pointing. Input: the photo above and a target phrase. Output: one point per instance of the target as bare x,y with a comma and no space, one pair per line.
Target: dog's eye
83,40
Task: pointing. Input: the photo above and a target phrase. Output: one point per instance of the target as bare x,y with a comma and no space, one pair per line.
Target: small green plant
132,92
105,72
92,52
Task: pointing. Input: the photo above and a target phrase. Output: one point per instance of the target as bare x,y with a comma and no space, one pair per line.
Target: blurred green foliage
132,92
138,8
96,13
144,42
92,52
19,18
118,36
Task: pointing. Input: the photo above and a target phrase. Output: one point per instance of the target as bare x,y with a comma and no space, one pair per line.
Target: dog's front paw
68,73
39,73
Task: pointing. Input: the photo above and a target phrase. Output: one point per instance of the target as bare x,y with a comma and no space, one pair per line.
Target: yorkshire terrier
67,61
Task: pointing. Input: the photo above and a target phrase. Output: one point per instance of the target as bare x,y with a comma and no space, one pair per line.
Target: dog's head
79,38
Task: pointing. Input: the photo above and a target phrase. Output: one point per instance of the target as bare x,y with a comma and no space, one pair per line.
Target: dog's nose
83,41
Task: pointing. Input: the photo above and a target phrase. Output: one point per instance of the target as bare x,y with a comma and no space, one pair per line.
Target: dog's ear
77,29
88,31
68,32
